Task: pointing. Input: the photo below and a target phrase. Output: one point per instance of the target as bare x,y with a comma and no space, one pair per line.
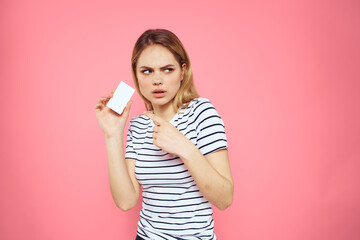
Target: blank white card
120,98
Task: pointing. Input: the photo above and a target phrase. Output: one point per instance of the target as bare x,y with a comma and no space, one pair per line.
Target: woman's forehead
156,56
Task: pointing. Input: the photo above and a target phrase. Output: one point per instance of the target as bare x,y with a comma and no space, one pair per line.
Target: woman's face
159,75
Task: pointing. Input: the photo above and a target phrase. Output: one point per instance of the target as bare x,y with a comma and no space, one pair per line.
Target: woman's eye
147,71
169,70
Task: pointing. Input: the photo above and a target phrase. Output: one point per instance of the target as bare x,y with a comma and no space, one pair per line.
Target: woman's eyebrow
166,66
145,67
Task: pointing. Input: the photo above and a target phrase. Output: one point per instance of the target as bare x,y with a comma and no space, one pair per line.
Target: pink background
284,76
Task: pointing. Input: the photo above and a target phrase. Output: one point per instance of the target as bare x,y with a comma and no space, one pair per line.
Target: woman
176,150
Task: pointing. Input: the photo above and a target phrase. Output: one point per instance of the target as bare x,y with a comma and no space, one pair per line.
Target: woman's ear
183,69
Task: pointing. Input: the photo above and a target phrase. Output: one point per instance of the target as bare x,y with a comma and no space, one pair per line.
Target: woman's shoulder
139,120
198,106
201,100
200,103
196,102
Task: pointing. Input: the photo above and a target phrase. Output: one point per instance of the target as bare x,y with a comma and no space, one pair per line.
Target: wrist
189,151
114,137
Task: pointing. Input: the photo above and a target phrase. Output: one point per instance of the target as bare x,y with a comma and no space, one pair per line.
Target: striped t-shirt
173,207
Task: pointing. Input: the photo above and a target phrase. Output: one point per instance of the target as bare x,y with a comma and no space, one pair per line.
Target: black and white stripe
173,207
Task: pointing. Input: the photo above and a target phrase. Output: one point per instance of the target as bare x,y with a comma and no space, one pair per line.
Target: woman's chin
161,102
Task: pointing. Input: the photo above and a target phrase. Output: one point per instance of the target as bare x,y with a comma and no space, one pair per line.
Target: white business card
120,98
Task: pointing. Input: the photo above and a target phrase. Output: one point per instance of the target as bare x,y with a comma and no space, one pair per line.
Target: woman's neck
165,112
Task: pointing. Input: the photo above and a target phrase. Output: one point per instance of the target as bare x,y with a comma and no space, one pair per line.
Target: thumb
127,108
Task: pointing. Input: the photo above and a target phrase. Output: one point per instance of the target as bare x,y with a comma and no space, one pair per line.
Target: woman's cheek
146,82
145,86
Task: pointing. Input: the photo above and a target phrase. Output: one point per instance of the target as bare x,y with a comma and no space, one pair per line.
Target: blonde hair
165,38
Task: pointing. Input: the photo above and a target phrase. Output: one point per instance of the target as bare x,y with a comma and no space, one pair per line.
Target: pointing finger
156,119
156,129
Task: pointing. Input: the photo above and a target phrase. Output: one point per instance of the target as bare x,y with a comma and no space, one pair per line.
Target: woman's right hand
111,123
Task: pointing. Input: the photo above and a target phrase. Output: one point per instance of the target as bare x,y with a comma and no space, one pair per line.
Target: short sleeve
210,128
130,152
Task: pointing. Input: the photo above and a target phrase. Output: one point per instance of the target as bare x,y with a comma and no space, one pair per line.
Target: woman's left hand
167,137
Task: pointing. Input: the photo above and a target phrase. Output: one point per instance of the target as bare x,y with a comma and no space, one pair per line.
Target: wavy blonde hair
165,38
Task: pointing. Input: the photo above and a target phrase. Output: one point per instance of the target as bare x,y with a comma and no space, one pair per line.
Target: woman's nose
156,83
157,80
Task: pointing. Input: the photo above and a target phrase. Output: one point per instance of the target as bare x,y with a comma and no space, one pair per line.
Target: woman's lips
158,93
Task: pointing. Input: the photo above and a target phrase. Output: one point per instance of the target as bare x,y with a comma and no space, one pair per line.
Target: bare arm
212,175
123,184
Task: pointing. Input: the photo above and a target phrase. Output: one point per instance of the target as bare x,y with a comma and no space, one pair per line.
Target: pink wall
284,75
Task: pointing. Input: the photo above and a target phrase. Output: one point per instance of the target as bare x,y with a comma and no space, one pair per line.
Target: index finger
156,119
